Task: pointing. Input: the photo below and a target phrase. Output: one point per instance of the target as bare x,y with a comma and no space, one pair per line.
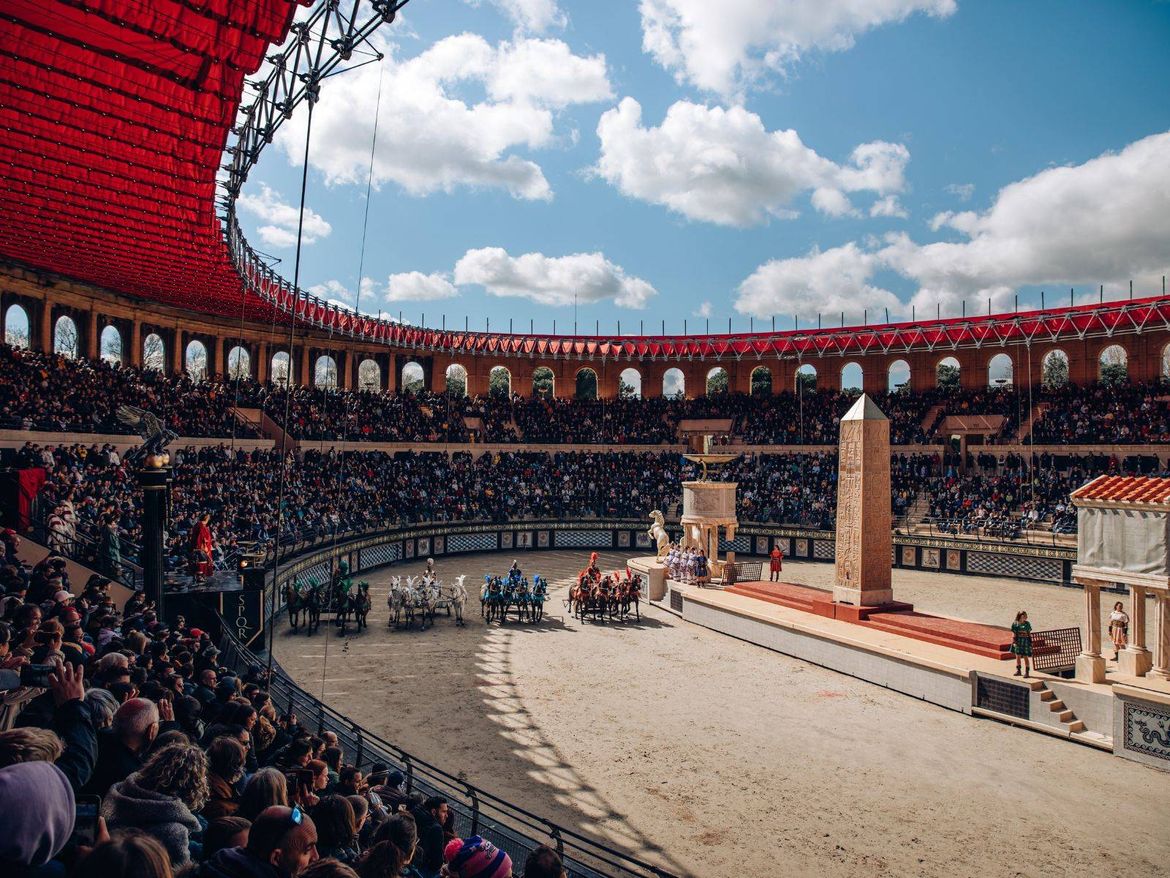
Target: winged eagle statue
155,436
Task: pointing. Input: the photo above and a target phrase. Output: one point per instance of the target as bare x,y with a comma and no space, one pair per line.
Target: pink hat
62,596
476,858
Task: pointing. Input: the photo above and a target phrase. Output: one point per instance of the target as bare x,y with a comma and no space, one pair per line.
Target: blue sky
685,160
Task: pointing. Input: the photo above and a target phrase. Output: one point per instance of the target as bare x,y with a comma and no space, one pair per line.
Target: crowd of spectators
131,751
1113,414
53,392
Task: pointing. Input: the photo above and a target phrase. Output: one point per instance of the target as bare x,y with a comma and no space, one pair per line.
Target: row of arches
1112,366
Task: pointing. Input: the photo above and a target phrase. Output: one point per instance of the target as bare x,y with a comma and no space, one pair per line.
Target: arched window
111,345
761,381
852,377
456,380
1166,362
1054,369
544,382
717,381
586,384
325,373
674,384
898,376
1113,366
630,384
196,360
278,368
65,337
806,379
16,327
947,373
412,378
154,352
239,363
370,376
500,381
1000,371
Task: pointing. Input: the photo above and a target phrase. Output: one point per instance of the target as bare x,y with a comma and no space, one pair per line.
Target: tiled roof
1125,489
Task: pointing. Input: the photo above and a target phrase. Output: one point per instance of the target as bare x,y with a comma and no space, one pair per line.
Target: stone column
1161,667
46,327
304,366
135,357
1135,660
864,538
1090,663
177,354
347,370
91,336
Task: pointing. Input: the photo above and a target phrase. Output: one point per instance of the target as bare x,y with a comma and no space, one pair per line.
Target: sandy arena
714,757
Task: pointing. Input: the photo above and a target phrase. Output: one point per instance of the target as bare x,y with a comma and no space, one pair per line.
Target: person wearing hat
39,812
476,857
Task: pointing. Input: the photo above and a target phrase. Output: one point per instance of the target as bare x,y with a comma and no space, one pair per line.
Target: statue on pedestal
658,533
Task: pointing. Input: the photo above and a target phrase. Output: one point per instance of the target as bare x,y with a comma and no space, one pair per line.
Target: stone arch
500,381
239,363
16,327
630,384
760,382
110,344
585,384
948,373
674,383
852,377
1000,371
544,382
1054,368
898,376
413,378
1165,371
280,368
325,373
455,380
154,352
195,360
1113,365
718,381
806,379
65,339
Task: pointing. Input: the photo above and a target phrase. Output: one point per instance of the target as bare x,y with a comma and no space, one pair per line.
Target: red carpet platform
988,641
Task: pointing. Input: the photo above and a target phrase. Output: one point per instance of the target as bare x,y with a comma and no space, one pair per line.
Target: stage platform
988,641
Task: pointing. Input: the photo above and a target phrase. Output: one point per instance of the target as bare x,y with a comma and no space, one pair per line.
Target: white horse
657,532
425,598
456,595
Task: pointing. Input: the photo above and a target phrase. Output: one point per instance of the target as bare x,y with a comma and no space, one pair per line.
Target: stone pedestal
655,575
707,507
864,520
1134,661
1090,668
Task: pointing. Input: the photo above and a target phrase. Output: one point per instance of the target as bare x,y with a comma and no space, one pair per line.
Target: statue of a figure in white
658,533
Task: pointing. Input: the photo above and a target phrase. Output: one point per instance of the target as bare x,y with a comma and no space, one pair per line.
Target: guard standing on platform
777,557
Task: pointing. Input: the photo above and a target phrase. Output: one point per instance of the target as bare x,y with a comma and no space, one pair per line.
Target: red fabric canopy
115,115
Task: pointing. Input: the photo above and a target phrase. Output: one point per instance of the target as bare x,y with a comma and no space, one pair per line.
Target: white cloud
337,293
728,46
1104,221
723,166
703,310
962,191
888,206
548,280
1100,222
279,219
414,286
533,16
827,282
430,137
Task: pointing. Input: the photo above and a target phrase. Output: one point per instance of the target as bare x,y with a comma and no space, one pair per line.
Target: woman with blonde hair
162,798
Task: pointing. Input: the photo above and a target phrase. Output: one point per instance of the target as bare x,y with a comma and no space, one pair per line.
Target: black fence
1056,650
510,827
743,571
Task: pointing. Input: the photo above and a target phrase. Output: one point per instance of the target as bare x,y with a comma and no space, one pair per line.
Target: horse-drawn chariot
341,598
501,594
421,597
605,596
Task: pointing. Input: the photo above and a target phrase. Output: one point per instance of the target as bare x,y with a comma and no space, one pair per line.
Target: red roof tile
1125,489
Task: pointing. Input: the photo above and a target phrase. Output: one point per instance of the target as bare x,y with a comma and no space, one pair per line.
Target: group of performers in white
687,564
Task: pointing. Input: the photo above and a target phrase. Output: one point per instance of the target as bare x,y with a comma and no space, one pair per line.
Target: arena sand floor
715,757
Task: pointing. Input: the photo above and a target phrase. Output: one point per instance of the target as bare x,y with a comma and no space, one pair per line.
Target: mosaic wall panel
542,539
642,540
762,546
739,544
409,548
379,556
424,547
506,539
440,543
623,539
1021,566
319,572
954,559
471,543
909,557
524,539
930,558
1147,729
571,539
826,549
801,548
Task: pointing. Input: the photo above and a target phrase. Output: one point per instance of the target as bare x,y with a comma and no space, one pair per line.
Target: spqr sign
246,609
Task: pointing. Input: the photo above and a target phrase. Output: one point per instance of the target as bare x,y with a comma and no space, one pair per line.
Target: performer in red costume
201,548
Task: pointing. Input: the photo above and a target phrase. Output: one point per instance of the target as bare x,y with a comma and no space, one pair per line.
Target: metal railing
477,811
1055,650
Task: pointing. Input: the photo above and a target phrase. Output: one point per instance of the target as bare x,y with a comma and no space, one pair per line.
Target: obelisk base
872,598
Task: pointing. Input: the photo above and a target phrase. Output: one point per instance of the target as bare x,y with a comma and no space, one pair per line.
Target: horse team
312,599
501,594
603,596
